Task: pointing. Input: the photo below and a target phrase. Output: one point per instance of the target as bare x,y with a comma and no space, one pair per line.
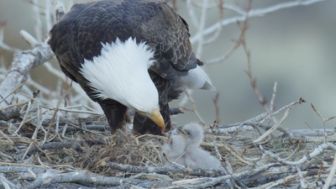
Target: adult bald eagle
128,54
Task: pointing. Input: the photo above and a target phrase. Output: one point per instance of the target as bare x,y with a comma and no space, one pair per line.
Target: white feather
185,149
197,79
120,72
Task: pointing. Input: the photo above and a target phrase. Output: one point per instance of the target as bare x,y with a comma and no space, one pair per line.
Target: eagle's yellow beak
157,118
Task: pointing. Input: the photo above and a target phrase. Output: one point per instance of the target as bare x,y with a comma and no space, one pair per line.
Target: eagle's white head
120,73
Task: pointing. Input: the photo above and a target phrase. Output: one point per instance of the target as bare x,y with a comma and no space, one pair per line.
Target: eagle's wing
168,34
80,34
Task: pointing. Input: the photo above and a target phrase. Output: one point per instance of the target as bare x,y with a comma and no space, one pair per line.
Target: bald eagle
128,54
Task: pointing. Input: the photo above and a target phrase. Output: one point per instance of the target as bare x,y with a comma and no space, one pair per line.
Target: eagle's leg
142,124
115,113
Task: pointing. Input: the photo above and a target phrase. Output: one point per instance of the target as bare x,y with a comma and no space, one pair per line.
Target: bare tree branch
331,174
23,62
253,13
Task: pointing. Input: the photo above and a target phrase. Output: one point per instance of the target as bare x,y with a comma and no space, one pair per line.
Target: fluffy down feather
184,148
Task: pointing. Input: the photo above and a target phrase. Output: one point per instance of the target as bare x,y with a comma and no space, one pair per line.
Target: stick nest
48,148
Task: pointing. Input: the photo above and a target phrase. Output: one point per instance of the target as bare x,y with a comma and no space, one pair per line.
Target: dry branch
163,170
251,14
331,174
317,151
22,63
80,177
96,152
247,125
213,181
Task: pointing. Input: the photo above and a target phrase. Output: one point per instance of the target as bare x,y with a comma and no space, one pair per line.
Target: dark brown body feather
81,32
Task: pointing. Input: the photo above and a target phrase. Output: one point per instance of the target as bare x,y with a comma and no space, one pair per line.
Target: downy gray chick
184,148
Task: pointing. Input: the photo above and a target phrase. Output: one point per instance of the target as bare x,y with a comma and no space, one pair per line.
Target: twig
212,181
201,27
301,176
20,168
217,109
75,144
38,20
81,177
271,105
275,127
253,13
24,118
192,14
241,41
23,62
29,38
4,99
257,119
72,111
194,107
163,170
235,154
314,135
277,182
331,174
234,8
317,151
7,184
48,14
49,176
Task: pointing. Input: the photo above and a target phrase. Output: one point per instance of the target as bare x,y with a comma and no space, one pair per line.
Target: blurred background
294,47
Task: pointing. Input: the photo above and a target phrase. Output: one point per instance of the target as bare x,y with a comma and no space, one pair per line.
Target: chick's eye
180,130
